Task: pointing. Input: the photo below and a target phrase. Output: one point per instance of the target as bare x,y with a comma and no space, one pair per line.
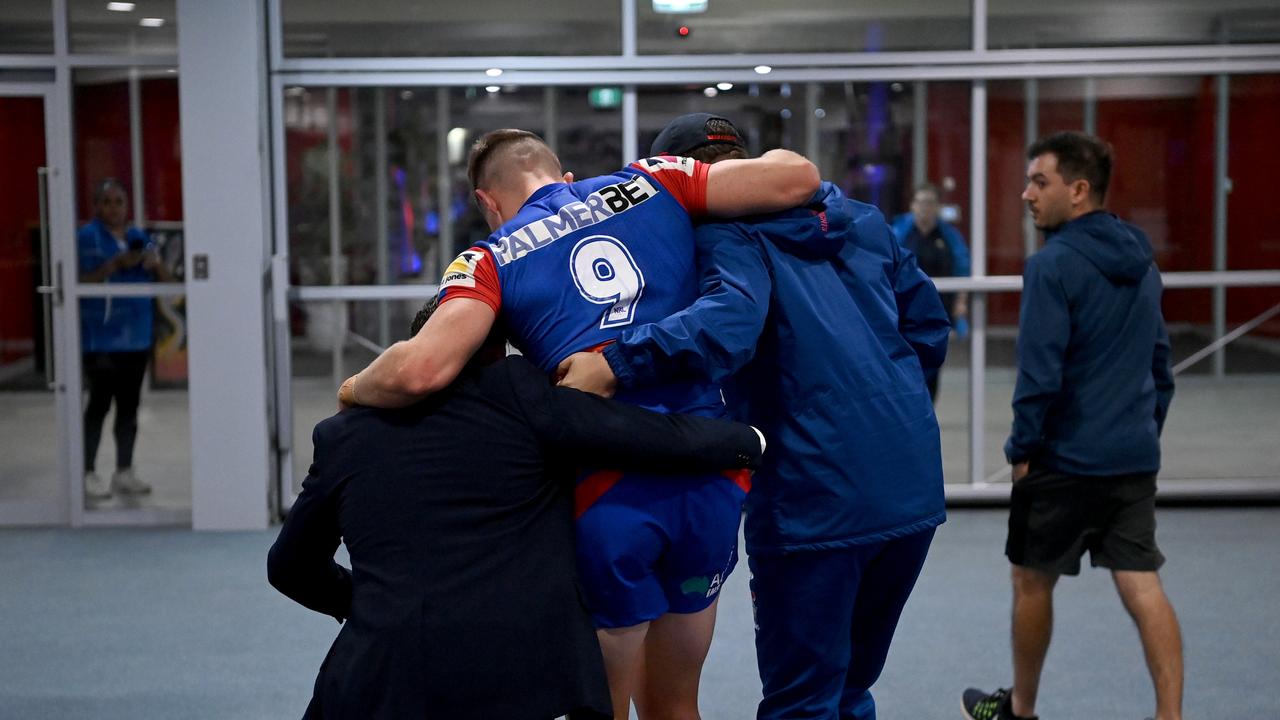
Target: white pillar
222,92
919,134
978,301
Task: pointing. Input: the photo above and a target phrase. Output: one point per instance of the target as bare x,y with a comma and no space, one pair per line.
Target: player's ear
568,177
489,208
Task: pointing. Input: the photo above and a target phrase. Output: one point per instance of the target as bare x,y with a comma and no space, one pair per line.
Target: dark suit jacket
463,599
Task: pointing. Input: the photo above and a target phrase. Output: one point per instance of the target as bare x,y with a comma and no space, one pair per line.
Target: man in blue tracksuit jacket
820,326
1093,390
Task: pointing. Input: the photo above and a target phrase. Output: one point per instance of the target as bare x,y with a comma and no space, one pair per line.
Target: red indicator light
683,31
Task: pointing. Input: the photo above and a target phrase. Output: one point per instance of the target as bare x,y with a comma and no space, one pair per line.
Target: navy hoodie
817,322
1094,383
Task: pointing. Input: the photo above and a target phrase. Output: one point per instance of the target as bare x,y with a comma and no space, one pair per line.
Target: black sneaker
980,705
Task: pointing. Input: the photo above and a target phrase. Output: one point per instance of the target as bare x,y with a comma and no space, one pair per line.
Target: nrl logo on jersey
683,164
596,207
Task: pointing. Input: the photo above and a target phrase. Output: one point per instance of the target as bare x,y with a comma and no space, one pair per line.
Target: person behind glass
115,334
940,251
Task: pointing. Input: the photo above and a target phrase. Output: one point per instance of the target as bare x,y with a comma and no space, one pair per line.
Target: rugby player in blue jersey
568,267
821,327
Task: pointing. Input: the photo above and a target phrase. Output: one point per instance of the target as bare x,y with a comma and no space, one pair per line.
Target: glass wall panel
1218,427
1094,23
395,163
1223,427
1161,130
26,26
146,27
349,334
29,482
756,26
338,28
135,410
1252,155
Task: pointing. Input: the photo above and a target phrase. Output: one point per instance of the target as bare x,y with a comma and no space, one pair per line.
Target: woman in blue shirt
115,334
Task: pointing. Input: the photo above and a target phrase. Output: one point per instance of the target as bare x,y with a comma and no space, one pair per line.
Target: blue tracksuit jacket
1094,383
818,323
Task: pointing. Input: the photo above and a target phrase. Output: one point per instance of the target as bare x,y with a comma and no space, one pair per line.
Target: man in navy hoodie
1093,390
820,326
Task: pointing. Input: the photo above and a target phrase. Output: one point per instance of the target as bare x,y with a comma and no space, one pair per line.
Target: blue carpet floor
132,624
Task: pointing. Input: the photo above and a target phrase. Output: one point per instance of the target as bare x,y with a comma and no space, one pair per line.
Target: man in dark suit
463,599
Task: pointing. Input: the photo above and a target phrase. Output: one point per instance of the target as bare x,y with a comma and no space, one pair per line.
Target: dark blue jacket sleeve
922,320
300,564
1044,329
715,336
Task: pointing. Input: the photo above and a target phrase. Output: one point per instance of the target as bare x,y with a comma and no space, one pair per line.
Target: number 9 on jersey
606,274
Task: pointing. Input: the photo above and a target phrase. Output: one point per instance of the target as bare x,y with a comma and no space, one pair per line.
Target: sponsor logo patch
462,271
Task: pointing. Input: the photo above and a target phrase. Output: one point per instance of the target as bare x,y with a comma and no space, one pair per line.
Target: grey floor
130,623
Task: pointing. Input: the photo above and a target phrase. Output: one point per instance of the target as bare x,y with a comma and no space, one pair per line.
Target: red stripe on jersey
481,284
689,190
591,488
741,478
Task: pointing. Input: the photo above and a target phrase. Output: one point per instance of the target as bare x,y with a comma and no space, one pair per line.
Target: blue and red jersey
581,262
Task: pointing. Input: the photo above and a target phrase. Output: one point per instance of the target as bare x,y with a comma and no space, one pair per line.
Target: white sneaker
126,483
95,488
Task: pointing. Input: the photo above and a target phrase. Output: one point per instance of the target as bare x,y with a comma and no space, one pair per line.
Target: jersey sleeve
683,177
472,275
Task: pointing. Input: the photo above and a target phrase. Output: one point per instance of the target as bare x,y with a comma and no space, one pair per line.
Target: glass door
34,469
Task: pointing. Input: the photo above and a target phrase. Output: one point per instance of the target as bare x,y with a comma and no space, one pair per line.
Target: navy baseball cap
690,132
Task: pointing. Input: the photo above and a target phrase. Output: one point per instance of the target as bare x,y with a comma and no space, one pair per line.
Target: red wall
1162,181
103,147
22,147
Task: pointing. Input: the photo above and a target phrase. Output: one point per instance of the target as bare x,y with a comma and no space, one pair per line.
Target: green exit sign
604,98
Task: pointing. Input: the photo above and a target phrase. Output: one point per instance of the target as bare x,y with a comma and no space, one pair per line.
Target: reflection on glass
1161,134
862,136
806,26
104,141
1094,23
26,26
404,206
1218,427
29,484
148,27
117,338
1223,427
336,28
1252,213
348,333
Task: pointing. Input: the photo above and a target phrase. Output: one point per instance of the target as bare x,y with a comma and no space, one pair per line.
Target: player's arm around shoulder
777,180
412,369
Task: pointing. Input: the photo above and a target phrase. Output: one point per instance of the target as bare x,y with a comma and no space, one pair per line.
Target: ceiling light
492,88
763,69
151,22
493,72
672,7
726,87
711,92
120,6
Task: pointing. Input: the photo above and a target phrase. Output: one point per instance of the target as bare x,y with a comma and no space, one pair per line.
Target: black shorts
1054,518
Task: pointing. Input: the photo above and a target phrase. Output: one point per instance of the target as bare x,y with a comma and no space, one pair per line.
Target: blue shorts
653,544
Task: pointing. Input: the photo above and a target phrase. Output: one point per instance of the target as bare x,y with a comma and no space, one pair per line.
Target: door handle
51,290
